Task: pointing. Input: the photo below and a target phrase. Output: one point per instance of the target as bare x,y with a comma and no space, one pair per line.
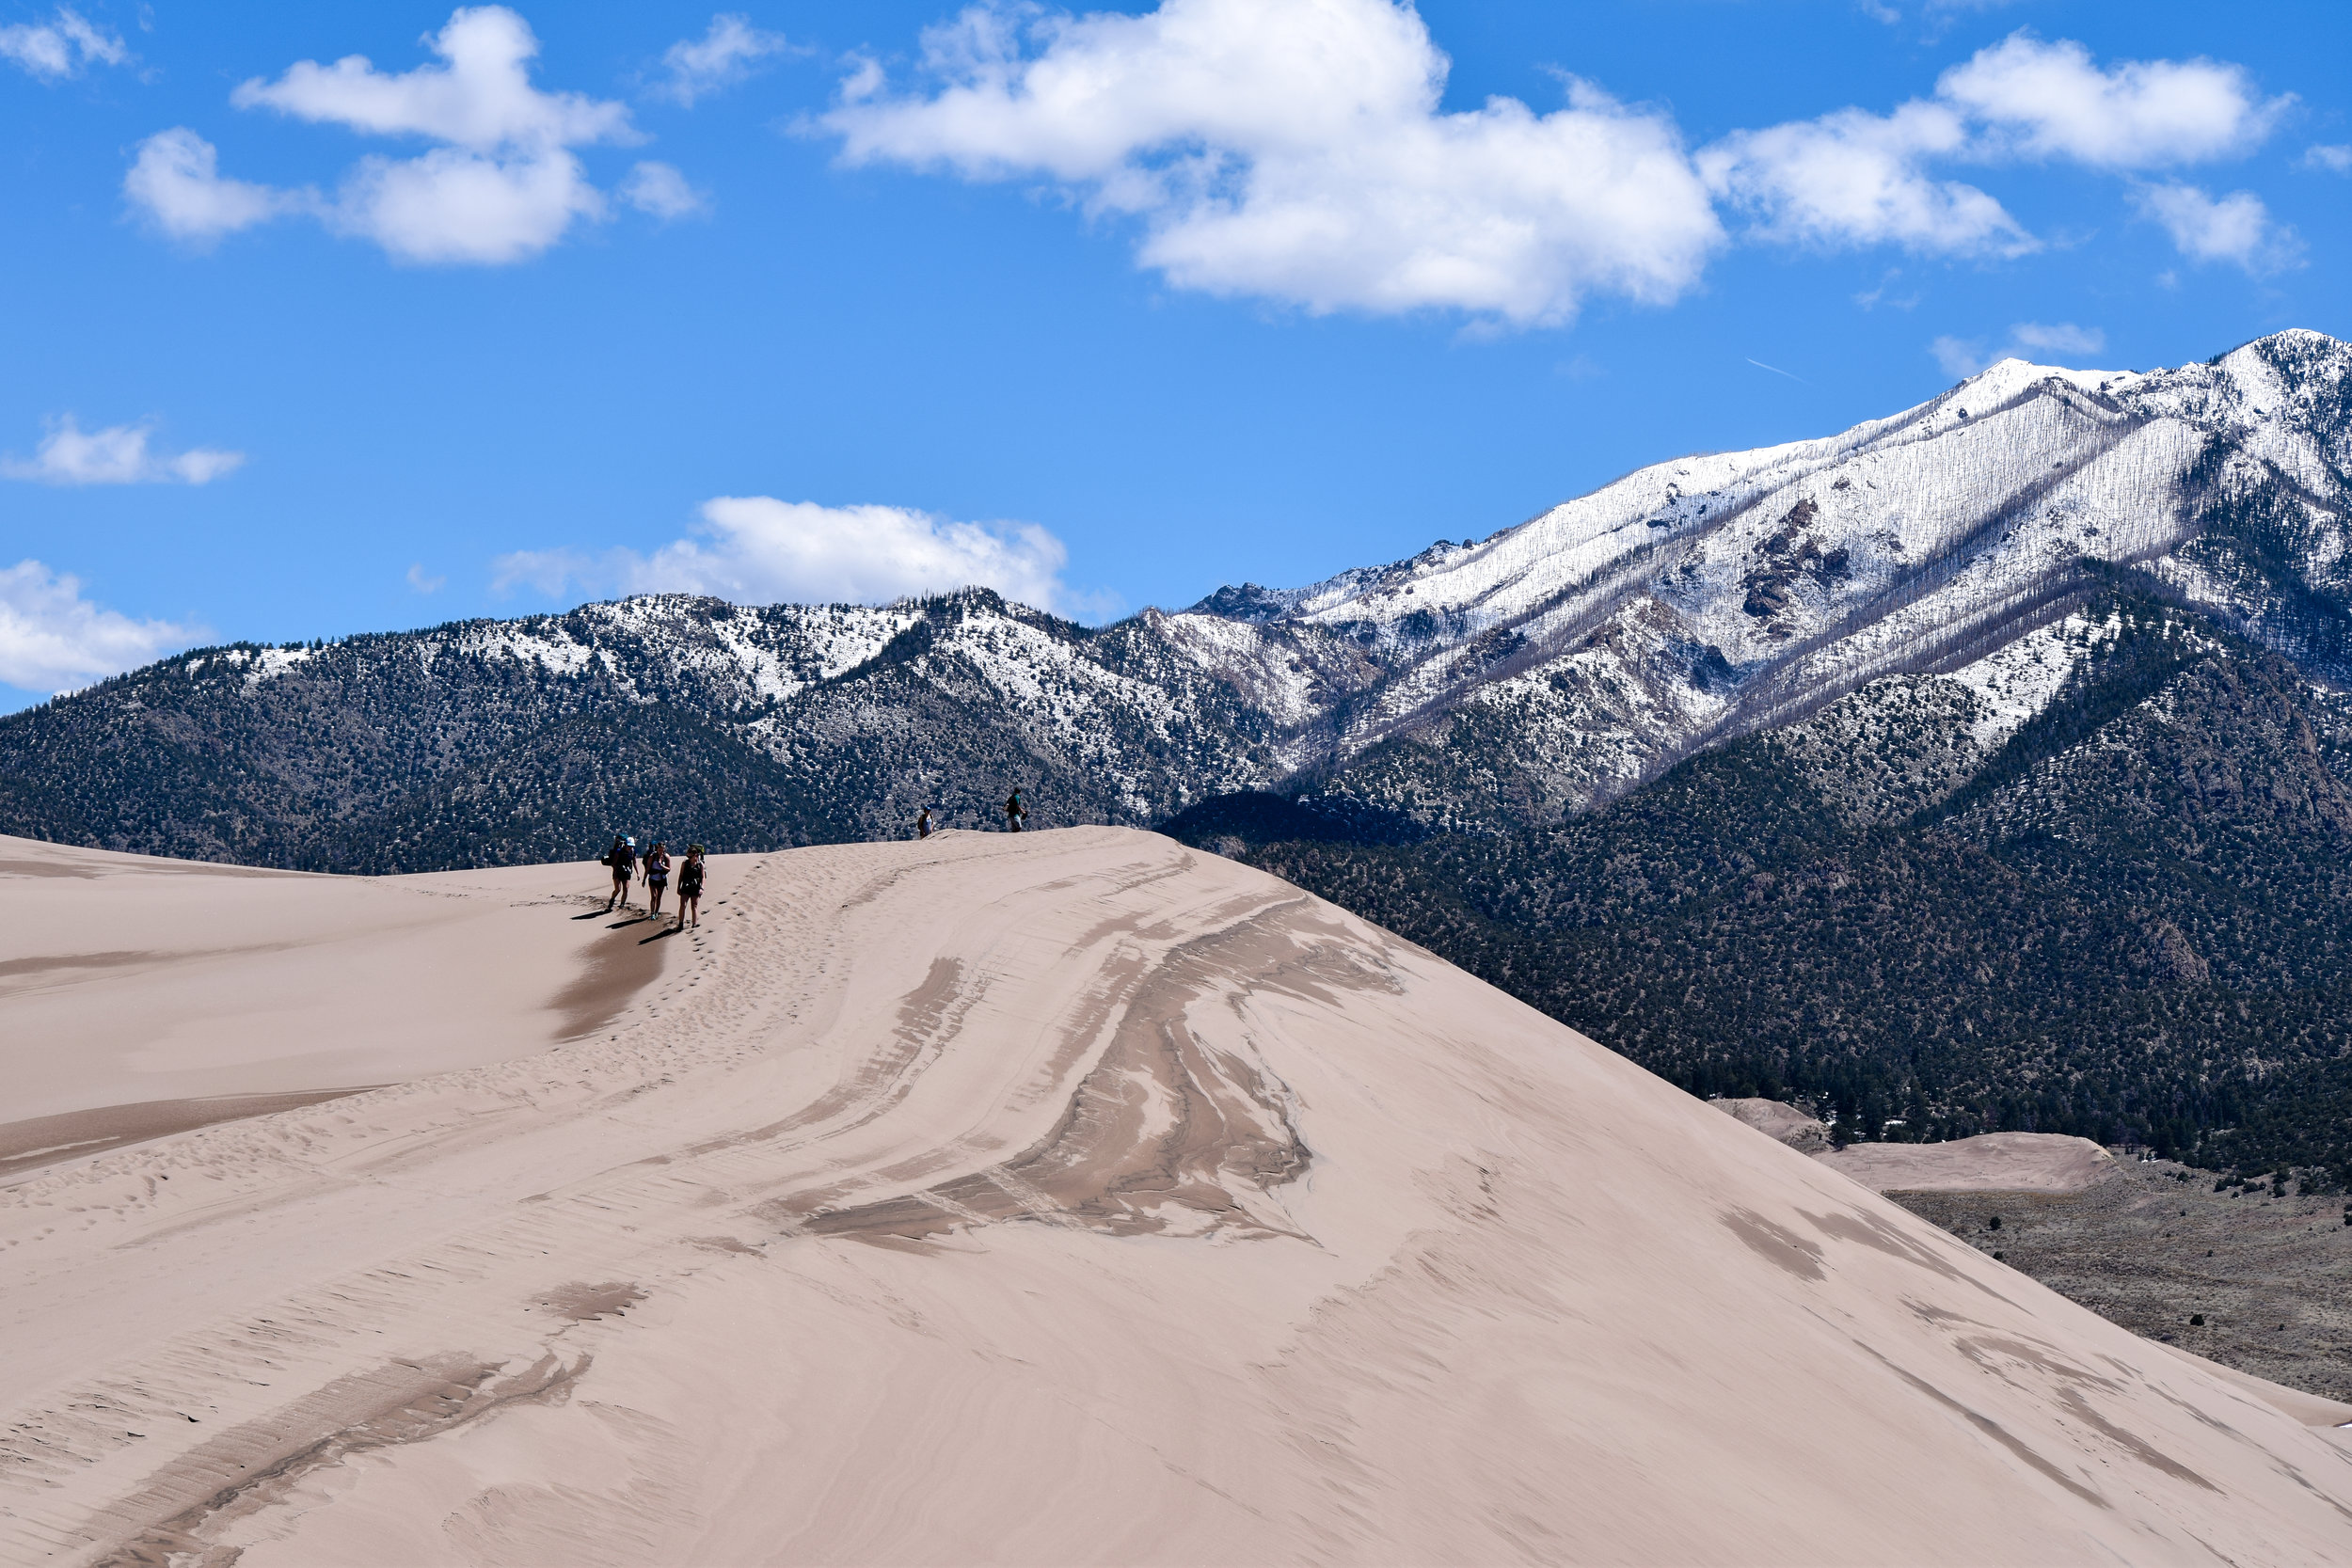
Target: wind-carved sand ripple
1169,1133
1069,1198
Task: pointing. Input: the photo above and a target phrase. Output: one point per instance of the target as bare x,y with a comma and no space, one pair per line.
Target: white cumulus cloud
481,98
118,454
725,54
756,550
2236,227
1295,150
2334,157
60,47
1855,177
2051,101
176,183
54,639
503,184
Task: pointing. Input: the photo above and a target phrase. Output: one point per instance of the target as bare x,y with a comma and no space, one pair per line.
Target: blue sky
1106,307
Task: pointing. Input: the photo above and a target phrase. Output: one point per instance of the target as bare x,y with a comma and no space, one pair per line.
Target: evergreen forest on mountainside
2132,922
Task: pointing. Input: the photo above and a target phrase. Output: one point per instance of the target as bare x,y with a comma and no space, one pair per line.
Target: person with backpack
923,823
657,878
622,858
1014,811
690,886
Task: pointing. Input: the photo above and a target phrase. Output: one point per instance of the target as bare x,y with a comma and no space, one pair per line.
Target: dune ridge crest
1070,1198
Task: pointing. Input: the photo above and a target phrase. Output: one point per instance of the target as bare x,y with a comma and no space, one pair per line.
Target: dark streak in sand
614,973
40,1141
141,865
1211,1132
10,968
53,970
178,1514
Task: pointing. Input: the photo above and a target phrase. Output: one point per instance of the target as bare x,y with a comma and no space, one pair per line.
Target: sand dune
1072,1198
147,995
1990,1162
1777,1121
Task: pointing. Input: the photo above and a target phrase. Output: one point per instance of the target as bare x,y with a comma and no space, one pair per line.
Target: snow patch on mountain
2013,684
270,663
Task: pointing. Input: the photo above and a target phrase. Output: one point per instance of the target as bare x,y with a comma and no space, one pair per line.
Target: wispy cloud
51,638
2329,157
662,191
1870,299
65,45
2056,338
421,584
2040,341
118,454
2236,229
725,56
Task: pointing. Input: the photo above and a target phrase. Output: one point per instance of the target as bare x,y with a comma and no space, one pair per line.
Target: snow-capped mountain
1479,685
1563,662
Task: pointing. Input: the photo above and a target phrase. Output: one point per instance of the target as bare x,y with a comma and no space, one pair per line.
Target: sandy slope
1777,1121
1990,1162
1069,1198
133,980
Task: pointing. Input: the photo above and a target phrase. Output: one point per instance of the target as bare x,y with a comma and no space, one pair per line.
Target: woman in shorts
657,878
690,886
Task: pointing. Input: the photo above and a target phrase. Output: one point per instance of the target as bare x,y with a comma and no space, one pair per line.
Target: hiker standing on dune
657,878
622,858
690,886
923,824
1014,811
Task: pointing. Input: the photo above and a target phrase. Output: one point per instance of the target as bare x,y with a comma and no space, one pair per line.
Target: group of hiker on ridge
1015,813
654,866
